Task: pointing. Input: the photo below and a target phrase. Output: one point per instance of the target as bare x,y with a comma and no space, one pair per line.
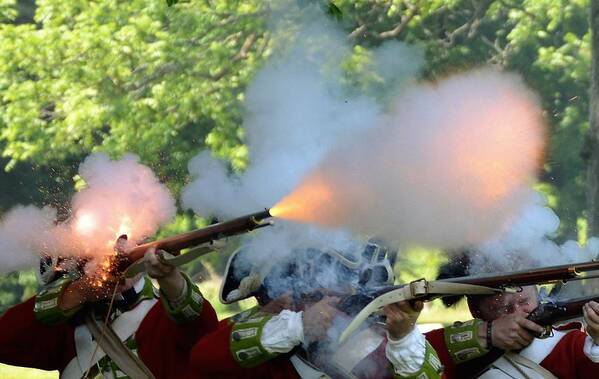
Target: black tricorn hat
459,265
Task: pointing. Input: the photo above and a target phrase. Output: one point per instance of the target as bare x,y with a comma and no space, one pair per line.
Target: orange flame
303,203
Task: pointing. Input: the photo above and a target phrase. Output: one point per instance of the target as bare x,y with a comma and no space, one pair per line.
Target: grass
434,313
12,372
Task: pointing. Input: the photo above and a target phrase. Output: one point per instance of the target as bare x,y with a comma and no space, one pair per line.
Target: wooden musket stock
174,244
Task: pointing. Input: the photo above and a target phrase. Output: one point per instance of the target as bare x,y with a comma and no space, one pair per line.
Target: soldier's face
493,307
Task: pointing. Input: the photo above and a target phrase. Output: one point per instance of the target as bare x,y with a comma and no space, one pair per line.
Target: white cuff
283,332
591,350
407,354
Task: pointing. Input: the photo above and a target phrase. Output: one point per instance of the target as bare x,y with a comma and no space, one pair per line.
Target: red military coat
563,358
162,344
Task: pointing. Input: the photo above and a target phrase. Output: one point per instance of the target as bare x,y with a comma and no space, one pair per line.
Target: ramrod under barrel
174,244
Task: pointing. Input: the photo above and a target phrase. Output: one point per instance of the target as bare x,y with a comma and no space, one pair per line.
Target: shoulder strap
518,360
120,354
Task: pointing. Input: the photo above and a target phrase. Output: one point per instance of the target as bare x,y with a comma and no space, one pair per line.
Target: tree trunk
592,151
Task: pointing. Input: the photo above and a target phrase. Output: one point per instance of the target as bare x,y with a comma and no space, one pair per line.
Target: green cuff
462,341
46,307
245,342
431,368
190,308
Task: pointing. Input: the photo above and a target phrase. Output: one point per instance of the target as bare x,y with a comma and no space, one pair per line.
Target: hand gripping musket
201,239
547,314
551,312
469,285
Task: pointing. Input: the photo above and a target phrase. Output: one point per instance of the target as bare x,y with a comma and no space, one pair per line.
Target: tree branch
472,26
357,32
405,20
247,45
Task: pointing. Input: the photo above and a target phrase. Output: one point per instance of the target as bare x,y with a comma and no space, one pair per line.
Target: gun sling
111,344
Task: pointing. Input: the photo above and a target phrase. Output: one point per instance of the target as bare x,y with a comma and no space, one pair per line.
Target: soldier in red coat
57,328
500,342
293,336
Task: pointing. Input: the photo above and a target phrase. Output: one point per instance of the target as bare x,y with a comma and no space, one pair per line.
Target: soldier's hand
401,318
590,312
514,331
318,318
169,277
156,268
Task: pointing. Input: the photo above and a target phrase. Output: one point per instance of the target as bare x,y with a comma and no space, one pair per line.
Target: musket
125,261
373,300
552,312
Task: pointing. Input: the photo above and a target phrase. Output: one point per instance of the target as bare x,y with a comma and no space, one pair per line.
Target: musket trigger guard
547,333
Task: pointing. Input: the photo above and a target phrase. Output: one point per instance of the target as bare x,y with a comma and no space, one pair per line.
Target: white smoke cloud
276,245
25,231
297,110
447,167
527,243
121,196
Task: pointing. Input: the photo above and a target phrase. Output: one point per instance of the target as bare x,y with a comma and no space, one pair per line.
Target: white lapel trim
539,349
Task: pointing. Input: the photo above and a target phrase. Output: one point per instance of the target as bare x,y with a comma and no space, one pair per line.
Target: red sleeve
164,345
186,335
211,357
28,343
567,359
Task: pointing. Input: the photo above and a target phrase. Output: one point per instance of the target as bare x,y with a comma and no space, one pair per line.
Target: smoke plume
447,167
527,243
120,197
25,232
297,110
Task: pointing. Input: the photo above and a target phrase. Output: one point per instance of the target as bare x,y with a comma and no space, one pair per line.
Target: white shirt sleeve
283,332
407,354
591,350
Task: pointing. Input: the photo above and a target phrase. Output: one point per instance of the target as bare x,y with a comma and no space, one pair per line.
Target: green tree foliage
128,76
8,11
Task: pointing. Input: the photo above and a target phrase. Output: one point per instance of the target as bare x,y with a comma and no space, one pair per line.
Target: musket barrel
174,244
546,275
542,275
